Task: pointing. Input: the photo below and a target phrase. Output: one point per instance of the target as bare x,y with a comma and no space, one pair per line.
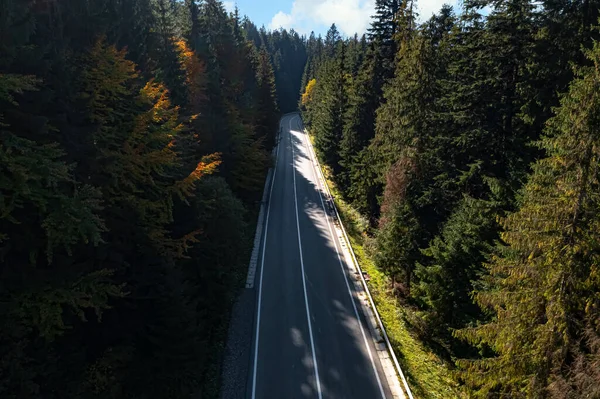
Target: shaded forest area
135,136
471,142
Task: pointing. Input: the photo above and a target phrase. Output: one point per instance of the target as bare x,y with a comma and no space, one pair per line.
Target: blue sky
350,16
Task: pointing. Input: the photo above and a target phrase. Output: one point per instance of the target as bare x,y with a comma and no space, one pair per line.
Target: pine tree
400,233
313,57
103,144
169,70
404,148
376,69
332,40
359,126
266,110
446,278
134,20
383,36
252,33
288,57
328,119
46,217
231,109
543,281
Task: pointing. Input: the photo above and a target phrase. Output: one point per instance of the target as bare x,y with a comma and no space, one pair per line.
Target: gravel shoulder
236,362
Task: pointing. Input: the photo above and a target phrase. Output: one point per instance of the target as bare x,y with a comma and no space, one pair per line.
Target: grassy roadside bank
428,375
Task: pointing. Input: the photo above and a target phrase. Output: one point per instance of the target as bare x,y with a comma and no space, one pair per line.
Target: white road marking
342,265
262,267
312,342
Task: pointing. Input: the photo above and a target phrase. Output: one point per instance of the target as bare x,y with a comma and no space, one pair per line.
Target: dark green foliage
314,50
455,265
168,70
397,243
213,267
288,57
370,66
436,142
267,123
359,128
119,256
383,35
543,282
330,94
408,152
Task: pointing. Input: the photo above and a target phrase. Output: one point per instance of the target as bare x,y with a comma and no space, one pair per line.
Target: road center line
312,342
335,243
262,267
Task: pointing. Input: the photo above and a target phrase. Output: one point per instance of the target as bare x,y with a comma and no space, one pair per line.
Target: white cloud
229,6
350,16
282,20
426,8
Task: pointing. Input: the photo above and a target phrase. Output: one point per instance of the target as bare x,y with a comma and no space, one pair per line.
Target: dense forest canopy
470,141
135,136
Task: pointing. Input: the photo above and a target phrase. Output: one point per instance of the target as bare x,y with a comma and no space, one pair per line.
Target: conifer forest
135,140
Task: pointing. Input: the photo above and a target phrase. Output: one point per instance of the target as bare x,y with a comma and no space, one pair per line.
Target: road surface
310,335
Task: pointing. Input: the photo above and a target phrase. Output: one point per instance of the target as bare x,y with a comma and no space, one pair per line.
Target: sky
350,16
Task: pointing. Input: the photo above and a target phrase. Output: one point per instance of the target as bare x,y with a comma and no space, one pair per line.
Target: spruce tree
404,148
383,35
169,70
266,110
542,288
111,113
328,119
47,217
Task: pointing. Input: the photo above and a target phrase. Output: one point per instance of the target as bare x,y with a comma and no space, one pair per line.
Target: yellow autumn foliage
308,94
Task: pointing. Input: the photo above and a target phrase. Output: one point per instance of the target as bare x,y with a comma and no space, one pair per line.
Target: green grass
427,374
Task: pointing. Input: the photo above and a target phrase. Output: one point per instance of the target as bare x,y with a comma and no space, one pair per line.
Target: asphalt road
310,336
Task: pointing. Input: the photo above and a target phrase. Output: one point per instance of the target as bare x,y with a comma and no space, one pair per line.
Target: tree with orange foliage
136,156
119,256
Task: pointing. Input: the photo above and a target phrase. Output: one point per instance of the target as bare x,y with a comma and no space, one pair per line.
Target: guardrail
366,287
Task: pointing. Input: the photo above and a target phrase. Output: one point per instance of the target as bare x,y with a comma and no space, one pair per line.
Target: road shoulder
365,303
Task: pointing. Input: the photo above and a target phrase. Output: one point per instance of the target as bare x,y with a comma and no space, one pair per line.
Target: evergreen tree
376,69
359,129
312,61
476,179
111,116
169,70
47,217
328,119
406,151
383,36
452,267
288,57
267,111
332,39
543,281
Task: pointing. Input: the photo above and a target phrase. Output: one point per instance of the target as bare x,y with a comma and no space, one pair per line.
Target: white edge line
262,264
312,343
352,298
379,322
